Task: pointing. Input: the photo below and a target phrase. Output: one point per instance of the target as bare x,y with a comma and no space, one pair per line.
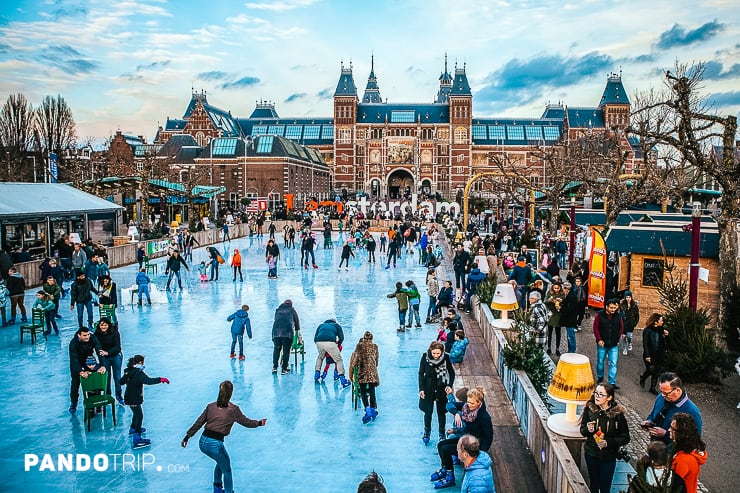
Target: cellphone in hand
647,426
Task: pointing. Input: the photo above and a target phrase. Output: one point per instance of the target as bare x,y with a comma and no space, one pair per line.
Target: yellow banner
597,271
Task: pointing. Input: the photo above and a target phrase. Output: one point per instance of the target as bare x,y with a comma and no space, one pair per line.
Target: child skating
346,254
239,322
134,379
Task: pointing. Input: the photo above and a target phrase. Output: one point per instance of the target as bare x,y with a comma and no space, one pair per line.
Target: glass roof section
311,131
276,130
224,147
402,116
533,132
497,132
479,132
515,133
327,131
264,145
259,130
552,133
293,132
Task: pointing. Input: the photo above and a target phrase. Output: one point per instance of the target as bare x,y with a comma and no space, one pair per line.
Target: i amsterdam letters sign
398,206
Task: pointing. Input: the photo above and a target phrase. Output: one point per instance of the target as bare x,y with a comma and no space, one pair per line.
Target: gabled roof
307,131
554,111
614,92
33,199
174,125
403,113
585,118
648,241
460,85
221,119
263,145
346,85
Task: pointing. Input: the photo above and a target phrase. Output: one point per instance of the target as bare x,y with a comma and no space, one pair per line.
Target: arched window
461,135
199,139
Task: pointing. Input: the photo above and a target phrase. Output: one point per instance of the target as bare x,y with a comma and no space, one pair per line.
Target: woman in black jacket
653,350
134,379
436,376
473,418
605,427
111,355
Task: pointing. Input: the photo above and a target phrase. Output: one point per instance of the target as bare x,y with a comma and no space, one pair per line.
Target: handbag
220,259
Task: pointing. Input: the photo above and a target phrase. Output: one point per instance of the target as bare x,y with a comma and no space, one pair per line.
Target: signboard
157,246
53,168
624,273
652,272
597,271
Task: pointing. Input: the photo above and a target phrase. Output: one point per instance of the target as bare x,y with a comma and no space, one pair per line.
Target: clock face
375,156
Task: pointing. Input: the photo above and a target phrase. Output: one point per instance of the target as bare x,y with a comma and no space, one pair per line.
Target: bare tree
694,130
55,129
16,138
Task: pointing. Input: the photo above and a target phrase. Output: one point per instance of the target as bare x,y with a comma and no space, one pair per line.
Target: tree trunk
729,274
554,217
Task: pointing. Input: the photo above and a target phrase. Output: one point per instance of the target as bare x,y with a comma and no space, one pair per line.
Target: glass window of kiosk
60,227
12,237
34,239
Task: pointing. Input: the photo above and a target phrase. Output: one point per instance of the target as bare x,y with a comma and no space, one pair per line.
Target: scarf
440,368
469,415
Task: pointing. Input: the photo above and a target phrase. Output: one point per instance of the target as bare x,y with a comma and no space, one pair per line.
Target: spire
460,85
614,92
445,85
346,85
372,91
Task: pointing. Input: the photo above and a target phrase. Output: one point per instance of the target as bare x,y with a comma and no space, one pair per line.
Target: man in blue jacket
474,279
329,336
239,322
477,463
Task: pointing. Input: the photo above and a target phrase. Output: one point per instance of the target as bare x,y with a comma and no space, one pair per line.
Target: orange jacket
687,466
236,259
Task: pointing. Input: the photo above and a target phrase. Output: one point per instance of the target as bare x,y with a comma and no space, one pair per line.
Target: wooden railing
559,470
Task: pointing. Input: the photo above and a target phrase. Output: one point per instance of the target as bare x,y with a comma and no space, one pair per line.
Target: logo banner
597,271
53,168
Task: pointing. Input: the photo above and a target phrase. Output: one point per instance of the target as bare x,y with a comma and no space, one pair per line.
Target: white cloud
280,6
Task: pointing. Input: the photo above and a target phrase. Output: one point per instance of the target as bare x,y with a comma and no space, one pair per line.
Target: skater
631,313
17,287
433,292
83,344
108,294
203,271
284,327
134,379
140,255
142,283
346,253
327,364
173,268
308,244
271,267
236,264
215,261
226,232
43,302
365,360
271,230
111,355
403,305
272,250
239,322
436,376
218,418
370,246
392,254
81,295
329,336
383,242
414,303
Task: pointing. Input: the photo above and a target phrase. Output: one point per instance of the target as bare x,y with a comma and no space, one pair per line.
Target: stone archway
400,183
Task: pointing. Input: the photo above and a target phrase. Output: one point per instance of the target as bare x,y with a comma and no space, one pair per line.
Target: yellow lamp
504,299
572,384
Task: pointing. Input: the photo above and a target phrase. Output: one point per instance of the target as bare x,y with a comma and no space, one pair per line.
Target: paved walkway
313,440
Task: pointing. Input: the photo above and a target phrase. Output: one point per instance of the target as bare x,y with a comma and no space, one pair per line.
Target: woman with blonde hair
365,360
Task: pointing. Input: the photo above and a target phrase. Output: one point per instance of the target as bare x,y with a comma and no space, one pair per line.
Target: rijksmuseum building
372,146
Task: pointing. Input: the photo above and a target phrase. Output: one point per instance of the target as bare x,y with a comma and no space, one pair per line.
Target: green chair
36,326
149,268
298,348
94,396
108,311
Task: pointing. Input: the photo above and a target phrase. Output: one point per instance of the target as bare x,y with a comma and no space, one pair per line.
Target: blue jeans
240,338
613,354
402,317
414,313
216,450
144,290
571,337
179,280
80,310
432,306
600,473
113,367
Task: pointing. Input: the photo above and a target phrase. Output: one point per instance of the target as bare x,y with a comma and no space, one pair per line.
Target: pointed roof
264,109
460,85
221,119
614,92
445,85
372,91
346,85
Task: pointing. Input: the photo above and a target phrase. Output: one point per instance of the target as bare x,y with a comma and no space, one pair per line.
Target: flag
53,169
597,271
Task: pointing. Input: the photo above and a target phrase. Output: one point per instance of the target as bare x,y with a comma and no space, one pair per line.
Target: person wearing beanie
631,314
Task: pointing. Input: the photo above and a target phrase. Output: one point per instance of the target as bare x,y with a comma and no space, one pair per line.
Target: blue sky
130,64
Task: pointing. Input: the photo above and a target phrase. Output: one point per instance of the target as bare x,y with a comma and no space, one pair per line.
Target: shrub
486,289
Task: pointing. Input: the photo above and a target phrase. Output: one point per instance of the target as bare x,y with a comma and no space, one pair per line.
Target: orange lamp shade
573,381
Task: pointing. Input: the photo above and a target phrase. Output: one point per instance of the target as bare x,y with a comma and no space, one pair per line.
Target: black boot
643,377
653,384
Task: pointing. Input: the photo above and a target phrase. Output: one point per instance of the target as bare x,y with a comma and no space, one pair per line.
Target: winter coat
461,261
478,476
613,426
474,279
653,345
134,379
522,274
173,263
370,244
240,321
428,381
457,353
445,296
687,465
142,279
16,284
433,287
79,351
79,257
551,305
329,331
286,321
631,315
413,294
108,295
663,411
91,270
402,298
365,359
110,340
4,295
53,290
43,304
569,309
607,329
236,260
347,252
81,292
481,427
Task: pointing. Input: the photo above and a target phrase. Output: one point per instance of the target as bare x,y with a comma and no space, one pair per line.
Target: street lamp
694,265
572,232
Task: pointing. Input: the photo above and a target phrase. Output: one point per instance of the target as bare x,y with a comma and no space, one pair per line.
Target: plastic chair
298,348
94,395
36,326
108,311
149,268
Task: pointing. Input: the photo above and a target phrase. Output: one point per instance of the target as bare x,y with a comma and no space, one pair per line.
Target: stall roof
49,198
648,241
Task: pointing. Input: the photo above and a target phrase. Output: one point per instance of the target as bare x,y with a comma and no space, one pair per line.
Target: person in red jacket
690,451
